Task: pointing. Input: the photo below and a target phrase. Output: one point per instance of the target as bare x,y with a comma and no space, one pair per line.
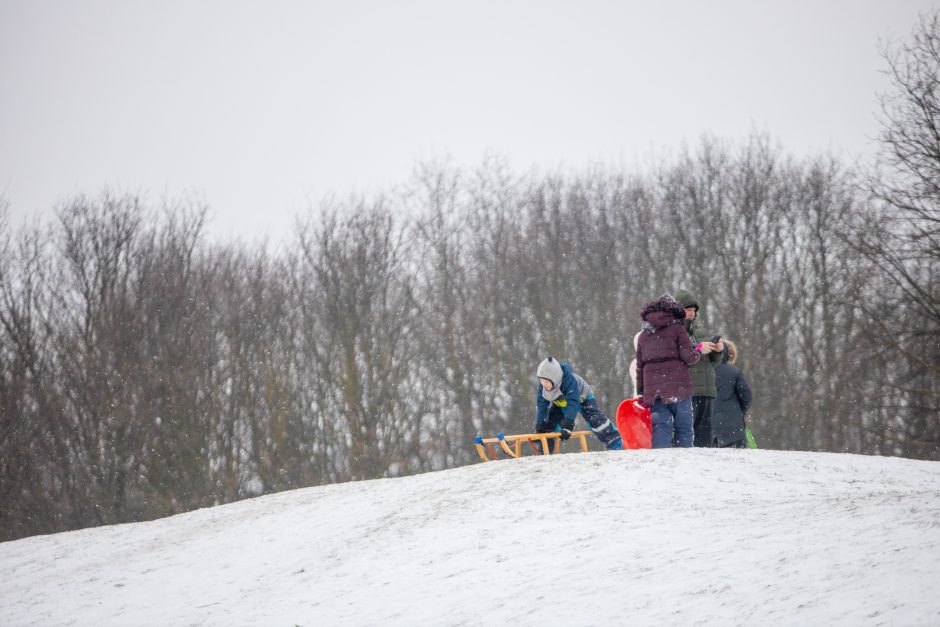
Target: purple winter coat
664,354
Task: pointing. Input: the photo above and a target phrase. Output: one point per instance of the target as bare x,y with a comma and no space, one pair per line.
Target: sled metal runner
512,445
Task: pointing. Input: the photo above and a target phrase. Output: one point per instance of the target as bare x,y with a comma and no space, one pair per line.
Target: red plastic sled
634,424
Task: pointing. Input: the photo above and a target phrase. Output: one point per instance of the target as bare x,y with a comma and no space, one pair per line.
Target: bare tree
825,279
900,235
263,440
360,313
449,353
33,464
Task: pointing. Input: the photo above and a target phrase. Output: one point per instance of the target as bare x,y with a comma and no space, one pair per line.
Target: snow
670,537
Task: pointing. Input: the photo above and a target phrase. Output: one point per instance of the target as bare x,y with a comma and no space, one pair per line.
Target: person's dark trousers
702,420
602,427
738,444
672,423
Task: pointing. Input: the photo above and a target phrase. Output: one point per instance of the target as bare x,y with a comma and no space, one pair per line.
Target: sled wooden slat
505,446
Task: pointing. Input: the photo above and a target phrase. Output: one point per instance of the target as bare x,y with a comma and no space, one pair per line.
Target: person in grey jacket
732,403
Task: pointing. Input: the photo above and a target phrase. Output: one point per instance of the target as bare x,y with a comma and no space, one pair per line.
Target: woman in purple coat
663,356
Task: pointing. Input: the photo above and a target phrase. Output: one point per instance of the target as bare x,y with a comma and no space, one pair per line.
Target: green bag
751,442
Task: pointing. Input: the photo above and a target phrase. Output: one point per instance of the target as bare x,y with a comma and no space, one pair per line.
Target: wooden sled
512,444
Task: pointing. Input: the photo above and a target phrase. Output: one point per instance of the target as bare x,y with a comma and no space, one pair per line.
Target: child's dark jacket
574,390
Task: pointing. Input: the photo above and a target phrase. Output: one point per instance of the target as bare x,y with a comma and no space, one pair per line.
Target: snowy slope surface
673,537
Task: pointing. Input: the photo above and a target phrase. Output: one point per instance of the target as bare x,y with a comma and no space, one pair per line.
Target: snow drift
671,537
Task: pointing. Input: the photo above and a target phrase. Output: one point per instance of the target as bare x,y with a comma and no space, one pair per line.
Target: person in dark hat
562,395
703,372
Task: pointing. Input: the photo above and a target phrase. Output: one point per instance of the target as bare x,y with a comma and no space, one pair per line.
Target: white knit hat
550,369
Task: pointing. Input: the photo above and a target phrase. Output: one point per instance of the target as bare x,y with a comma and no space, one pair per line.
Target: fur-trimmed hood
661,312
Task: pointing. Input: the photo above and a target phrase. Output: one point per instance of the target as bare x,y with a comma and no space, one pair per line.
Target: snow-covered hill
674,537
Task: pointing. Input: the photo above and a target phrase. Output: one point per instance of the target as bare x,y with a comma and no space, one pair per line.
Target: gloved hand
565,434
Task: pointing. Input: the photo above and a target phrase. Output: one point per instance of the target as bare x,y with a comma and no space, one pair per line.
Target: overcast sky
262,108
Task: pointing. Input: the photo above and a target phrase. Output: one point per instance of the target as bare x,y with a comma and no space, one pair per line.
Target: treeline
145,371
